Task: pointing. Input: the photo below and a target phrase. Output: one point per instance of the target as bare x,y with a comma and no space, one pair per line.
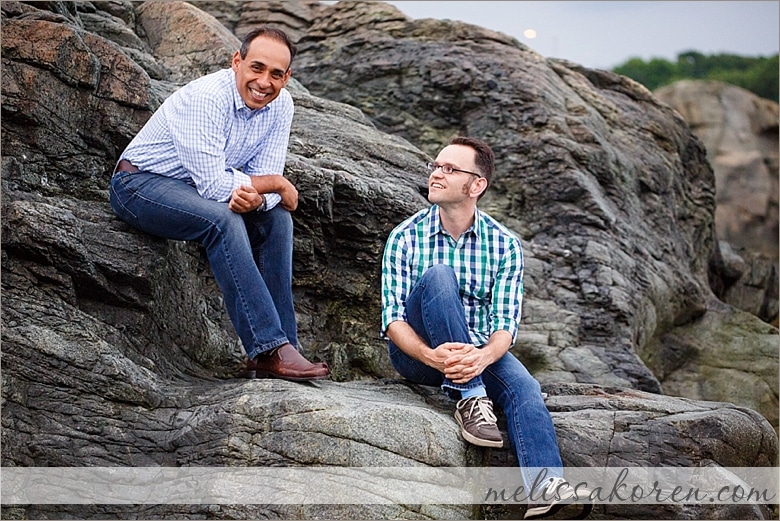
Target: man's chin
258,104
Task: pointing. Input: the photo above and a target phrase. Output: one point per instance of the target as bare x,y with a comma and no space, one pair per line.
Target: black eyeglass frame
448,169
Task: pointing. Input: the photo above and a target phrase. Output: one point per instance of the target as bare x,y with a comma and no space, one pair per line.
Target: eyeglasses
447,169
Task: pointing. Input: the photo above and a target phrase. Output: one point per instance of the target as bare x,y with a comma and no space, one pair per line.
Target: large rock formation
612,196
739,130
740,133
116,346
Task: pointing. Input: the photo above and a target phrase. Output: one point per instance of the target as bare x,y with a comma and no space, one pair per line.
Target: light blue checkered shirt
487,259
205,134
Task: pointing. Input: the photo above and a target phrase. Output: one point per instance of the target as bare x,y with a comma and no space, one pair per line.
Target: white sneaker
556,495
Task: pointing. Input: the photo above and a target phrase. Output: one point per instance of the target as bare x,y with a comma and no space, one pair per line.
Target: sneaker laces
553,487
485,406
557,489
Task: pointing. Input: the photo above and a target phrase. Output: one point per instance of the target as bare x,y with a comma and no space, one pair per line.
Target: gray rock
747,280
608,188
116,347
200,53
740,132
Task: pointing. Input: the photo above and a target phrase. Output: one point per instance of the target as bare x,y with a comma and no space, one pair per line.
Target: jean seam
258,349
519,432
260,262
118,199
231,269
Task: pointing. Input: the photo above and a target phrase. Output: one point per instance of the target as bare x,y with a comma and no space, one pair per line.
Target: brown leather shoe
286,363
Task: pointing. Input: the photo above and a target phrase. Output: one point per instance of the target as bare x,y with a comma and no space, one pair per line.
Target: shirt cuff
507,325
389,315
271,200
240,178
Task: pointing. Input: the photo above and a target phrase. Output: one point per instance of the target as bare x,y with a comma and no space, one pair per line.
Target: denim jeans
435,311
250,254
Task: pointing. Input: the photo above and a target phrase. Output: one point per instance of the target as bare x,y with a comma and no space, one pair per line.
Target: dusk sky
605,34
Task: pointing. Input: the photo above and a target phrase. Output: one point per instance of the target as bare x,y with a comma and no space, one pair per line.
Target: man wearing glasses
452,290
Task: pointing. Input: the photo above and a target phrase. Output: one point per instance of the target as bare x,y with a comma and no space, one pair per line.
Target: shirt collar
434,223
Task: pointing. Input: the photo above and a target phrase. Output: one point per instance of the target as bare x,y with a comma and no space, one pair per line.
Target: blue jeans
250,254
435,311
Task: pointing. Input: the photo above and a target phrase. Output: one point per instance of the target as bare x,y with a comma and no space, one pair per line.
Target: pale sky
603,34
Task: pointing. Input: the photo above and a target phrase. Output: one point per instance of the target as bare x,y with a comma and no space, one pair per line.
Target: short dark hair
485,160
271,32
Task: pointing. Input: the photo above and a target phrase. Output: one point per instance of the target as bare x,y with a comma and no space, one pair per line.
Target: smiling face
263,73
457,187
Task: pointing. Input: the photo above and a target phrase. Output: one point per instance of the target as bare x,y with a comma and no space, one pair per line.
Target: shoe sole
554,509
251,375
473,439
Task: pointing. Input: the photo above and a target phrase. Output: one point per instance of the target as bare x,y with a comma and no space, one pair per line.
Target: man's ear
287,76
479,186
236,61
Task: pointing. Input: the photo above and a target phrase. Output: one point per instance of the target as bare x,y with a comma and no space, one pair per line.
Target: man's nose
264,79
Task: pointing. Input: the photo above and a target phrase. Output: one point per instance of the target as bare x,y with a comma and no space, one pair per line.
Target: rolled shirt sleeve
396,280
507,295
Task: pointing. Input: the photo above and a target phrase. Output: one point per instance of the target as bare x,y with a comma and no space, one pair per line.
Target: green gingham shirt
487,259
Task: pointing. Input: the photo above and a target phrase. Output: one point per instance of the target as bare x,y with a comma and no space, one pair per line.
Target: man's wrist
263,206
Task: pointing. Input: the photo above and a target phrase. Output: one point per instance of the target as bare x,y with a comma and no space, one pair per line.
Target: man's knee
440,274
225,218
281,218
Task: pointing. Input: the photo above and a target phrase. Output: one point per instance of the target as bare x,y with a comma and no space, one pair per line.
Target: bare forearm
265,184
408,341
497,346
273,183
437,357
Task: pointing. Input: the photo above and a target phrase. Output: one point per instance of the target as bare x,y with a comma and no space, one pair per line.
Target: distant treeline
758,75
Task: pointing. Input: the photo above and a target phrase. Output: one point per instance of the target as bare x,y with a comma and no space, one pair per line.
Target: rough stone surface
116,346
740,133
610,192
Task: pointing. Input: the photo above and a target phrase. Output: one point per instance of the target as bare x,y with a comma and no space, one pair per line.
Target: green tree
691,65
758,75
652,74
